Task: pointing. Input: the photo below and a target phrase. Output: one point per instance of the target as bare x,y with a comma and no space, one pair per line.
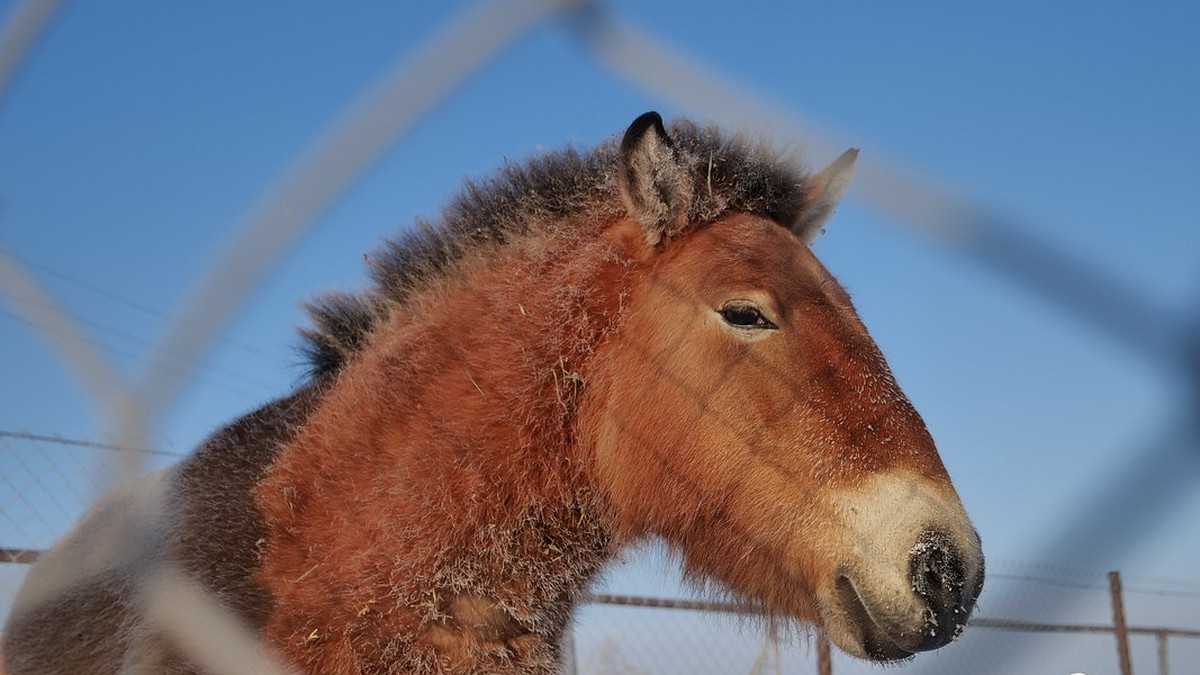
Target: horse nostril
939,577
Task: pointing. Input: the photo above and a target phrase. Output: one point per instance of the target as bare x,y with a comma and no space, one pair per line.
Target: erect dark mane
729,173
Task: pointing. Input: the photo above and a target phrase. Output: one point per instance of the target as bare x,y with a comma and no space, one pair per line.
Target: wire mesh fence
619,634
48,482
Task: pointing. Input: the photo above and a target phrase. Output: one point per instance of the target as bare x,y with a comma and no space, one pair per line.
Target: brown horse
588,350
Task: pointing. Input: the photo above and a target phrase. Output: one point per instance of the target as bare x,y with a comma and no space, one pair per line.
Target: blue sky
139,134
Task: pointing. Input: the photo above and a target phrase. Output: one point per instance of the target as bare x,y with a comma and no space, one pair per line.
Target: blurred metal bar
20,30
208,633
89,367
1081,289
334,162
1104,301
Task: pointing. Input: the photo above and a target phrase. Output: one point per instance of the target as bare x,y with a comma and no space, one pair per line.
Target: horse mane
553,190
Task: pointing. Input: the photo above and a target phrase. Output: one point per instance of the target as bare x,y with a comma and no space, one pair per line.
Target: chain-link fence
622,634
48,482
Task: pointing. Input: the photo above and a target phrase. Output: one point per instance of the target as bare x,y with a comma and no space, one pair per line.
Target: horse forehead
744,248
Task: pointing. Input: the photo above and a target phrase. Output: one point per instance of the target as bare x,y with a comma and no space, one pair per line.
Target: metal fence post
1161,638
1119,629
824,657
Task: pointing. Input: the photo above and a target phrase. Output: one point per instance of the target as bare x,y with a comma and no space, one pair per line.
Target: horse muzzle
889,628
909,576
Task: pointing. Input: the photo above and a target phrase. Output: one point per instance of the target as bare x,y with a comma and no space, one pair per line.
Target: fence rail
1161,633
19,555
978,622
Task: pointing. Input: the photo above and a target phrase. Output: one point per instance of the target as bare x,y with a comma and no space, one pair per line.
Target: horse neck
442,460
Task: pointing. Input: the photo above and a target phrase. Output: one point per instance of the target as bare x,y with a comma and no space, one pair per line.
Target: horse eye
744,315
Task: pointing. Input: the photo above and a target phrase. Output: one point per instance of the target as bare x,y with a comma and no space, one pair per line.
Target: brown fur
453,466
532,384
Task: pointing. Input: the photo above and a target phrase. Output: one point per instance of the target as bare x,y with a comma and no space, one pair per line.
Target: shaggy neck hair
729,174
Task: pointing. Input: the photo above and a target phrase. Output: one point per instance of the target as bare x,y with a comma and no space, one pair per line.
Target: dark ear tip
639,127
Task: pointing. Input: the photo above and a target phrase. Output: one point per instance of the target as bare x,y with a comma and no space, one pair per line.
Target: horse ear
655,186
825,190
